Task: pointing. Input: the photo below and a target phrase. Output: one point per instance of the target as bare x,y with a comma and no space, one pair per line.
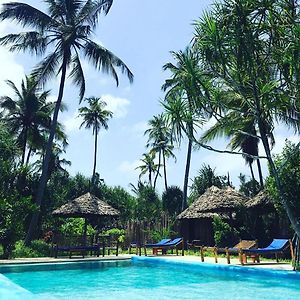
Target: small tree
172,200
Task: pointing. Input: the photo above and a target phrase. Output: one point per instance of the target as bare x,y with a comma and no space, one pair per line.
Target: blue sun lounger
276,247
171,244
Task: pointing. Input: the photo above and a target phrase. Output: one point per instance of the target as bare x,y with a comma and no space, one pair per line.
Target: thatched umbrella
216,200
86,206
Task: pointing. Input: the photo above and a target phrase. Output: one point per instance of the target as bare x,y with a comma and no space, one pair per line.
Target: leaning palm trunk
165,171
44,177
95,158
186,175
291,215
261,181
24,146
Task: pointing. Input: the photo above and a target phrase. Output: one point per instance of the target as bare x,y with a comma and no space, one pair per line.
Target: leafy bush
38,248
224,234
120,233
156,235
75,226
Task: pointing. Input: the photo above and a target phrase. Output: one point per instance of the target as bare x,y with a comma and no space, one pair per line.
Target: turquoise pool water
148,279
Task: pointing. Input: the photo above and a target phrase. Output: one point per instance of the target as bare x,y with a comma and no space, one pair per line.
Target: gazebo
196,220
87,206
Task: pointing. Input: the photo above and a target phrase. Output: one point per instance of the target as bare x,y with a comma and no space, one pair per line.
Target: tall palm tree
186,81
148,166
28,113
95,116
66,31
159,140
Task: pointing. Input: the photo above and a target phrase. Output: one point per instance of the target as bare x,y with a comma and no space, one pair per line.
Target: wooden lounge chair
278,246
236,249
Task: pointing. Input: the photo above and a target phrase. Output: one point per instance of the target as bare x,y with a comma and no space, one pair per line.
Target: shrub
119,233
224,234
38,248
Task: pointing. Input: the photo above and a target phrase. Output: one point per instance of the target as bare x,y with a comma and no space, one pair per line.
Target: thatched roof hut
261,200
85,206
215,200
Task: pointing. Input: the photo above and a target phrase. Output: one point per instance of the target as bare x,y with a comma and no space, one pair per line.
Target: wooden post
292,252
227,255
201,253
182,245
241,256
216,254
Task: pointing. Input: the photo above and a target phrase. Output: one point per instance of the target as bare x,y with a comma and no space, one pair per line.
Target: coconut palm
148,166
95,116
28,113
66,31
186,82
159,140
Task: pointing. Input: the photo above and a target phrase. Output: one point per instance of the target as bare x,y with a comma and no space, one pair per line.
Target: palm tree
28,113
95,117
186,81
159,139
66,30
148,166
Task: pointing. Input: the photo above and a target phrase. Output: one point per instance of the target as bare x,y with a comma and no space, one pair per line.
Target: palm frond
78,76
32,41
91,11
106,61
26,15
46,69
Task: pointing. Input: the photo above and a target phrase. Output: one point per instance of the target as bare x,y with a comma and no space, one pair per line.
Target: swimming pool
147,278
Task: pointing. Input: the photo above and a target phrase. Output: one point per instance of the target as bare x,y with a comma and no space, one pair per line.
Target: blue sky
142,34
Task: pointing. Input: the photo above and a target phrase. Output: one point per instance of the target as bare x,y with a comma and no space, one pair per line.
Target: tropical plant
67,29
28,114
183,92
148,166
254,56
206,178
95,116
159,139
172,200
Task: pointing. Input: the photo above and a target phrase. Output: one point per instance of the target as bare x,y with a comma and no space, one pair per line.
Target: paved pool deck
268,264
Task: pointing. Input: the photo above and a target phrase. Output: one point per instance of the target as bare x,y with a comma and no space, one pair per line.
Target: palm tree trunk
157,173
287,207
165,170
24,146
150,178
28,156
44,176
261,181
186,175
95,157
252,173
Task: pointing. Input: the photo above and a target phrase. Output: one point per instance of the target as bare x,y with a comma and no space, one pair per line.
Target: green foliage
116,232
148,205
248,188
157,235
205,179
172,200
75,226
120,199
224,234
288,166
38,248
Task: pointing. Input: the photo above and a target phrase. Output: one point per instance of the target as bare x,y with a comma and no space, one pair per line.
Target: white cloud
117,105
10,69
129,167
72,123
